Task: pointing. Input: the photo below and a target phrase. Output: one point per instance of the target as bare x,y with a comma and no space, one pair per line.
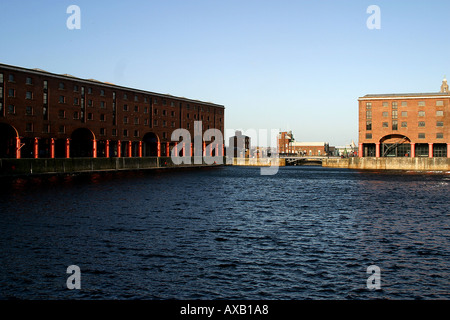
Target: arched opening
395,145
81,143
8,135
150,145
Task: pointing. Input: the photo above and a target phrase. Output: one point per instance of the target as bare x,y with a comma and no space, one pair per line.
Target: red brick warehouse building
405,125
46,115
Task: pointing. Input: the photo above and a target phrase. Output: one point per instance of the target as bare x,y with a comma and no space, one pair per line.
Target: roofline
105,84
404,96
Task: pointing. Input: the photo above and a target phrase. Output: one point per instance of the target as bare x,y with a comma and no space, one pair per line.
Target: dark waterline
227,233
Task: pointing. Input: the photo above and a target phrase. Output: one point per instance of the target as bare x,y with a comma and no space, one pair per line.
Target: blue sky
289,65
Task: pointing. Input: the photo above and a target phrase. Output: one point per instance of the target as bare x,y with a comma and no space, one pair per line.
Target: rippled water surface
305,233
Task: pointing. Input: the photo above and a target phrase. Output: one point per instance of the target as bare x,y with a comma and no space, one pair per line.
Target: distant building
405,125
240,145
288,146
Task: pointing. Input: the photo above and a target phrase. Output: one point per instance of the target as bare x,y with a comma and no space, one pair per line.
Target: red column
158,149
129,149
52,148
360,150
183,153
448,150
430,150
94,148
223,150
204,148
67,148
210,149
413,150
18,153
192,149
107,148
140,149
377,150
36,148
119,148
167,149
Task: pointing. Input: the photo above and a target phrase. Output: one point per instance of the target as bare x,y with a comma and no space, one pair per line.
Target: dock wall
414,164
14,167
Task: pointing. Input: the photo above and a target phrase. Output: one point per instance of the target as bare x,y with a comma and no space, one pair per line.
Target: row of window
439,135
404,114
76,88
394,104
404,124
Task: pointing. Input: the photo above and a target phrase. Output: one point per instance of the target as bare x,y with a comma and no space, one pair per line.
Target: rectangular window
89,90
102,132
385,114
385,125
404,114
172,104
394,125
172,113
155,111
62,129
11,78
61,86
164,102
1,92
385,104
1,77
164,123
439,124
145,110
368,136
439,135
421,135
439,103
114,132
136,98
439,113
76,115
394,105
164,112
394,114
136,120
404,104
125,96
155,122
125,120
11,109
125,107
102,117
90,116
29,81
46,128
29,127
61,99
90,103
76,101
75,88
145,122
29,111
368,105
369,125
421,103
102,92
421,113
11,93
61,114
136,133
136,109
125,133
404,124
1,109
102,104
45,84
421,123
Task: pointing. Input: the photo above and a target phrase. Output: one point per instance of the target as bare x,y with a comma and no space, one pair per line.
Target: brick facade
405,125
90,118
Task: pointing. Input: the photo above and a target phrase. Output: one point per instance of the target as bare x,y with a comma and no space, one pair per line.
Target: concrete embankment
257,162
17,167
409,164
